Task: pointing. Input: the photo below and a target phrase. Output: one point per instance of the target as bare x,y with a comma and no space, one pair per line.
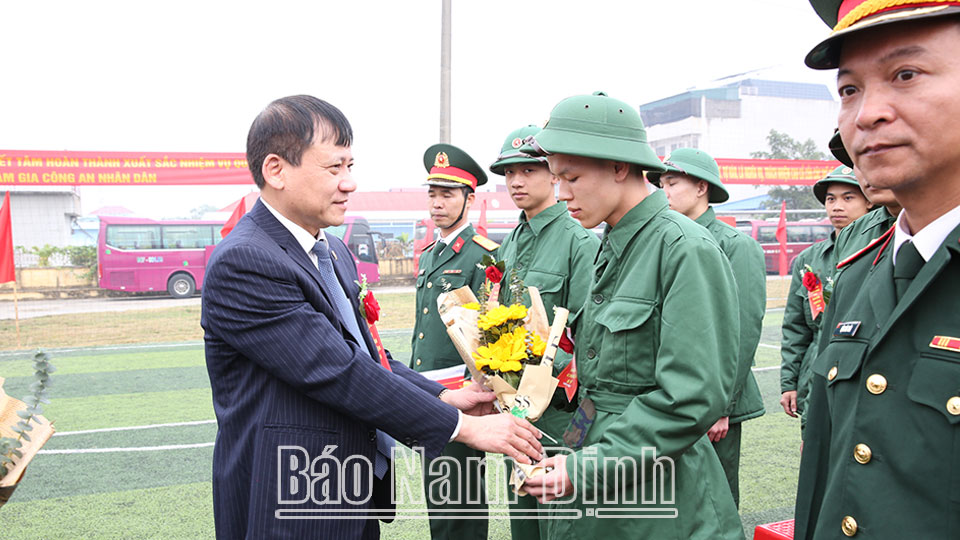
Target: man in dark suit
305,413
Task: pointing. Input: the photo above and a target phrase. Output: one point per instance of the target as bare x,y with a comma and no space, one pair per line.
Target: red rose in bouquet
493,274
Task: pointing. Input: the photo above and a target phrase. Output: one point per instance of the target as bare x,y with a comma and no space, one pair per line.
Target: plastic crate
781,530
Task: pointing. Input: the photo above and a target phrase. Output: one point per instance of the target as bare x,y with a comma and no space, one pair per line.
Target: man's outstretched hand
502,433
472,399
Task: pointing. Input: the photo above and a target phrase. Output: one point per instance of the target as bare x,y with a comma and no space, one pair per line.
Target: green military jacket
882,446
799,332
661,315
555,254
456,267
861,232
750,272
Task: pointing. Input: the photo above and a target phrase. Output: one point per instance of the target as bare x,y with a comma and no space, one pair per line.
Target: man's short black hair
288,126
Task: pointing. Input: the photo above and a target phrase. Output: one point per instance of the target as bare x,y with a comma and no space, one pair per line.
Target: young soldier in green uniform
881,457
651,342
551,251
840,193
691,183
449,264
861,232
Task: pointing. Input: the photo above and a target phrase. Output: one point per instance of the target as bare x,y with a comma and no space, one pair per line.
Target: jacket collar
630,224
544,218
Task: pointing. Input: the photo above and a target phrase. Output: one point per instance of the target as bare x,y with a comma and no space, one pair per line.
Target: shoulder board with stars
485,242
884,238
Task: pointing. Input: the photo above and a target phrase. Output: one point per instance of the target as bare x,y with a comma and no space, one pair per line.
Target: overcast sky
191,76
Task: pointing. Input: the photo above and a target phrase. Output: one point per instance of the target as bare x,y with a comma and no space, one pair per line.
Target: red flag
482,224
7,270
243,206
782,238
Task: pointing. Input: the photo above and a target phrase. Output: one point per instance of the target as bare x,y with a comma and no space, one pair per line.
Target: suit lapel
292,248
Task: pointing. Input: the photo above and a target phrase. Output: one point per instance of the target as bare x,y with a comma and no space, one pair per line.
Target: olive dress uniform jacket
861,232
750,272
555,254
800,331
661,315
456,267
881,456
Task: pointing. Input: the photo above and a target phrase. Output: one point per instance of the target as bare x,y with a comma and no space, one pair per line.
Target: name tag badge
846,329
946,343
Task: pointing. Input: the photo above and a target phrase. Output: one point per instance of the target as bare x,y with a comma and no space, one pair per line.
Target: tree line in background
783,146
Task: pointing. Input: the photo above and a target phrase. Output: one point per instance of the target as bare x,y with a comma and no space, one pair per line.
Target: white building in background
732,120
42,215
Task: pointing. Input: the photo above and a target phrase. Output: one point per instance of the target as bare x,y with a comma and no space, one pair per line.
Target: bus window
133,236
187,236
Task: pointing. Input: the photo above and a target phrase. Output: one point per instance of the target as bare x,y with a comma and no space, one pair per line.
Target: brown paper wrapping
537,384
39,435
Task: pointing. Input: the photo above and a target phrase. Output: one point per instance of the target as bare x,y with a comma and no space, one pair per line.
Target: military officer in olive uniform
691,183
881,455
861,232
660,319
449,264
840,193
551,251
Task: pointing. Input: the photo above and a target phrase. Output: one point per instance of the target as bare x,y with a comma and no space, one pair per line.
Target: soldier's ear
621,170
703,188
470,198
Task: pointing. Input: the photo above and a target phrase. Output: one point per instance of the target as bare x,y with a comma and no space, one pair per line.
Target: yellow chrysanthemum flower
516,312
494,317
537,346
511,365
471,305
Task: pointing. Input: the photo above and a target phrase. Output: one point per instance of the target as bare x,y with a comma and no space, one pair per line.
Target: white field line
126,449
128,428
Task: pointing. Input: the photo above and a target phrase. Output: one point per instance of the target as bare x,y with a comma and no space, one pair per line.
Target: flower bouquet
509,348
818,293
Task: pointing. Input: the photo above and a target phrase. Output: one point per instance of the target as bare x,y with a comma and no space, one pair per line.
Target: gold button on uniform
420,336
848,526
425,311
429,284
419,361
876,384
832,374
953,405
862,454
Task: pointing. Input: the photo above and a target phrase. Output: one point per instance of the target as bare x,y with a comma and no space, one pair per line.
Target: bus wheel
181,286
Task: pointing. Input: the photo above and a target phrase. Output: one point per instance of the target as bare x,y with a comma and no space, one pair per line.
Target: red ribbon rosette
370,310
493,274
810,281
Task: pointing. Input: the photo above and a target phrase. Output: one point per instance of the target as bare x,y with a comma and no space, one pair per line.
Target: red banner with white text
51,168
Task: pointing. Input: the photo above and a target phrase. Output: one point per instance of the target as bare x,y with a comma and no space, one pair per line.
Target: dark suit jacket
289,382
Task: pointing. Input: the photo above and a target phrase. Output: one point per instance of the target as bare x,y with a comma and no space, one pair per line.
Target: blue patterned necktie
349,319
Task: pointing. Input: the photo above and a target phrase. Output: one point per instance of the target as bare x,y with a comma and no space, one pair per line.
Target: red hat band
453,174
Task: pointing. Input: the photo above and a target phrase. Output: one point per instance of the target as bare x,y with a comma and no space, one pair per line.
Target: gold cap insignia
442,160
517,143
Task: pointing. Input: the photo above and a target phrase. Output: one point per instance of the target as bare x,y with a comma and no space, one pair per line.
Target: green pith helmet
449,166
840,175
838,150
595,126
510,152
846,17
695,163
